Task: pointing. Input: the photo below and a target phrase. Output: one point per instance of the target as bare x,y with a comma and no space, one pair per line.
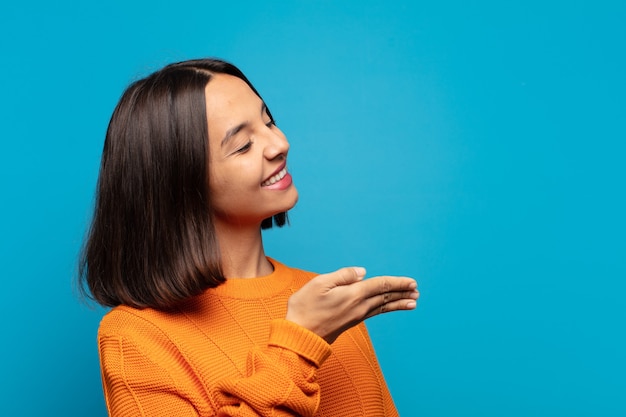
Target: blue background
477,146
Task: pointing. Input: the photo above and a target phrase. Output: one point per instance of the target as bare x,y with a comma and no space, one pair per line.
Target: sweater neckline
258,287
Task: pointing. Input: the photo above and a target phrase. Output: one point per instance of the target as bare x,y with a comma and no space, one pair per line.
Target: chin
286,203
294,200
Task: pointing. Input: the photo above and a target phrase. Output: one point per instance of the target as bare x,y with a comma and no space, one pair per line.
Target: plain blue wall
477,146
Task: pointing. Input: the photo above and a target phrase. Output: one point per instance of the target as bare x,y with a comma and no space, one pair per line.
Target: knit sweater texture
230,352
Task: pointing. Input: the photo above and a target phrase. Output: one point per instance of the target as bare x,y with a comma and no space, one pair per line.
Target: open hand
331,303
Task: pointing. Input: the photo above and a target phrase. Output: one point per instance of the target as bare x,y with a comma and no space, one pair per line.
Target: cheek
245,174
218,185
235,178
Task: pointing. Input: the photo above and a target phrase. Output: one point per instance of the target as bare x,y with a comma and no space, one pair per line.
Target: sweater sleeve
136,385
280,378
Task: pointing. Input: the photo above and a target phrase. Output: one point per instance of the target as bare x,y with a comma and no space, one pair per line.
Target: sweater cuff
289,335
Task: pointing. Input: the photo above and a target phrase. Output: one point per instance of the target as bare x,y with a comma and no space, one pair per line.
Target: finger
379,285
397,295
397,305
382,301
385,298
347,276
385,289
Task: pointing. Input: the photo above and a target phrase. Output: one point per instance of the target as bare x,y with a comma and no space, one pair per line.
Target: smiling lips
281,180
275,178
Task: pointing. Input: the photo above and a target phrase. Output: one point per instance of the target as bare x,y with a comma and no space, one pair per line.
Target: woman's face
248,178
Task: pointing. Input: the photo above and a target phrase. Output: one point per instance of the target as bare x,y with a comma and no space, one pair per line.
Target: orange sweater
230,352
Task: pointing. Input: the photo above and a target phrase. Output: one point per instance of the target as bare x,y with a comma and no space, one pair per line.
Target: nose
277,145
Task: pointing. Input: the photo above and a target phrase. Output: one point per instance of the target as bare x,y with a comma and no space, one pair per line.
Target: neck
241,250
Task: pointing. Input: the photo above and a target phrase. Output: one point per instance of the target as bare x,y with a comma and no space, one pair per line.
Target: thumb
347,276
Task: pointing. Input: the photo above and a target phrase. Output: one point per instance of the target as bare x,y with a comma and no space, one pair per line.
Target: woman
204,324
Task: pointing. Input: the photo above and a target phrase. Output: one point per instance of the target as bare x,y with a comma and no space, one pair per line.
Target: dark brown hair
152,240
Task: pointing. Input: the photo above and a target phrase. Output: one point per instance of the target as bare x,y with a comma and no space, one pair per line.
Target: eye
245,148
270,123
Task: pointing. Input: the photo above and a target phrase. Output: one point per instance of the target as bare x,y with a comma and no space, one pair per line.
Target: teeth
275,178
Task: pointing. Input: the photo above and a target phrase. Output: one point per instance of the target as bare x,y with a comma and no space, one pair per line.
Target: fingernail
411,304
360,271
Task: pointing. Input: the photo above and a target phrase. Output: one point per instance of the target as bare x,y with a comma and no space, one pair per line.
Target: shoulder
126,321
144,334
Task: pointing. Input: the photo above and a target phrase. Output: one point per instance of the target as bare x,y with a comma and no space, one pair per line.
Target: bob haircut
152,240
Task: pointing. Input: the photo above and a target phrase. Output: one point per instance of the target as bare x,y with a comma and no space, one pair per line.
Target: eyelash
245,148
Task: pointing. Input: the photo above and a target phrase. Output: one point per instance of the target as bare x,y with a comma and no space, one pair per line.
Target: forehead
228,95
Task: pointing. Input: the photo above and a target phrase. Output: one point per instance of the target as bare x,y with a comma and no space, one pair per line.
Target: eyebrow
234,130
